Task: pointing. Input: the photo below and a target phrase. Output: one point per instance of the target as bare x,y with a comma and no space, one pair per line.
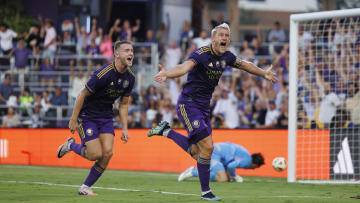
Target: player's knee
107,154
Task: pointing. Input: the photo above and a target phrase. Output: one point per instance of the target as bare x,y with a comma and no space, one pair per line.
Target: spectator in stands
150,37
283,119
166,110
6,38
246,51
81,36
92,49
353,103
21,54
36,114
202,40
106,48
50,40
45,101
277,34
172,55
272,115
214,22
258,119
78,81
6,89
11,119
33,39
115,30
186,36
67,38
47,78
26,100
162,34
59,98
151,112
226,107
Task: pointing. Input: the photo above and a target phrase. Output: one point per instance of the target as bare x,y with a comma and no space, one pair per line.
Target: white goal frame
293,72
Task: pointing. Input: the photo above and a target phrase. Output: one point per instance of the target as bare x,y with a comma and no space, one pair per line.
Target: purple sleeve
129,89
231,59
95,84
195,57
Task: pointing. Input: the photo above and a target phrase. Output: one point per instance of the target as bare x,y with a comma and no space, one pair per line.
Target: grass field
50,184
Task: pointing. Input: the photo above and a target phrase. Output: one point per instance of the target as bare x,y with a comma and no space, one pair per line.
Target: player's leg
87,131
106,142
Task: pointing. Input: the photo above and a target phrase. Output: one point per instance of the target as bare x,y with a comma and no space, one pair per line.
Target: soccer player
205,66
225,158
92,116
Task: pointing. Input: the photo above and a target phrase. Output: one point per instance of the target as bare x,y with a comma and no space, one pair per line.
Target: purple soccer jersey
193,106
204,77
106,85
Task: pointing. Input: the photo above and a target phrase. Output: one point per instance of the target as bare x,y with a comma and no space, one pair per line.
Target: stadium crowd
240,100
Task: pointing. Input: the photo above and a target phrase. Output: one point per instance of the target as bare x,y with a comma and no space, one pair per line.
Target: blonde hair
223,26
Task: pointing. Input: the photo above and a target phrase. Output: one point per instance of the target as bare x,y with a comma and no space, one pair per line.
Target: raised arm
178,71
253,69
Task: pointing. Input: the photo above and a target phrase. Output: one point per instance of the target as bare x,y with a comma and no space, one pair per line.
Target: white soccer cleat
86,190
186,174
65,148
238,179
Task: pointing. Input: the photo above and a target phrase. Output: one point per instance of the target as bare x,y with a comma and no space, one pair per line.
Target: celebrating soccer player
205,66
92,116
225,158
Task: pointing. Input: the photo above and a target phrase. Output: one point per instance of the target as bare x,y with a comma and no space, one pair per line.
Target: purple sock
204,173
95,172
78,149
179,139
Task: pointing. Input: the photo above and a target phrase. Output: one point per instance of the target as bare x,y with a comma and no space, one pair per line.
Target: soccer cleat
210,196
186,174
158,130
64,148
86,190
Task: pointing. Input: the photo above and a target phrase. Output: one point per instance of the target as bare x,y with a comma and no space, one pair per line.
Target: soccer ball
279,163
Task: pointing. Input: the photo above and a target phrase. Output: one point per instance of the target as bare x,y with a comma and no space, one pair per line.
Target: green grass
29,184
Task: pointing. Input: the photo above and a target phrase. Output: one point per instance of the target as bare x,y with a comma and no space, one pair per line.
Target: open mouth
223,44
129,59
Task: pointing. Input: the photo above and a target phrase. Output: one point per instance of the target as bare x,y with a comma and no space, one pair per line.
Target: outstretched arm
253,69
177,71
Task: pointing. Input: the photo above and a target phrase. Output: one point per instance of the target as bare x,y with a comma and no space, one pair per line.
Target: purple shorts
90,129
195,118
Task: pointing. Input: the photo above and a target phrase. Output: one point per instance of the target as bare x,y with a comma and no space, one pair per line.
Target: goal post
323,130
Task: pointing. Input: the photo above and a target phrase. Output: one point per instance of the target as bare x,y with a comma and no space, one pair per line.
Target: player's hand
125,136
73,125
161,76
269,75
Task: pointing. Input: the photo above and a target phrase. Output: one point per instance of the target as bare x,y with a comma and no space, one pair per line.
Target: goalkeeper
225,158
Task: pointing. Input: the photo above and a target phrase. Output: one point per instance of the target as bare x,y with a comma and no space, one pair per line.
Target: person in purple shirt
93,113
204,67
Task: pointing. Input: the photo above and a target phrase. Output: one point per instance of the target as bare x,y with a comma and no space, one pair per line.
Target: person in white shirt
50,40
202,40
6,38
172,55
329,103
272,115
78,81
227,106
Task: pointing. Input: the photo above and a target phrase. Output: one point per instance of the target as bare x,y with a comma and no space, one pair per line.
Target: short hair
119,43
257,159
223,25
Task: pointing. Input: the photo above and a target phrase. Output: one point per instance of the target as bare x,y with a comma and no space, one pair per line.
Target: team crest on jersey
89,131
223,64
126,84
196,124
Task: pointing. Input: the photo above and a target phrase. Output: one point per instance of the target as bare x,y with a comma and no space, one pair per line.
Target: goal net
324,97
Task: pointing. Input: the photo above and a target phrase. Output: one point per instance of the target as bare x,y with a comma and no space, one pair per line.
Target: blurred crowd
328,72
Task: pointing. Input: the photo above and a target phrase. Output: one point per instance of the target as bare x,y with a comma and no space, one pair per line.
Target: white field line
156,191
101,188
